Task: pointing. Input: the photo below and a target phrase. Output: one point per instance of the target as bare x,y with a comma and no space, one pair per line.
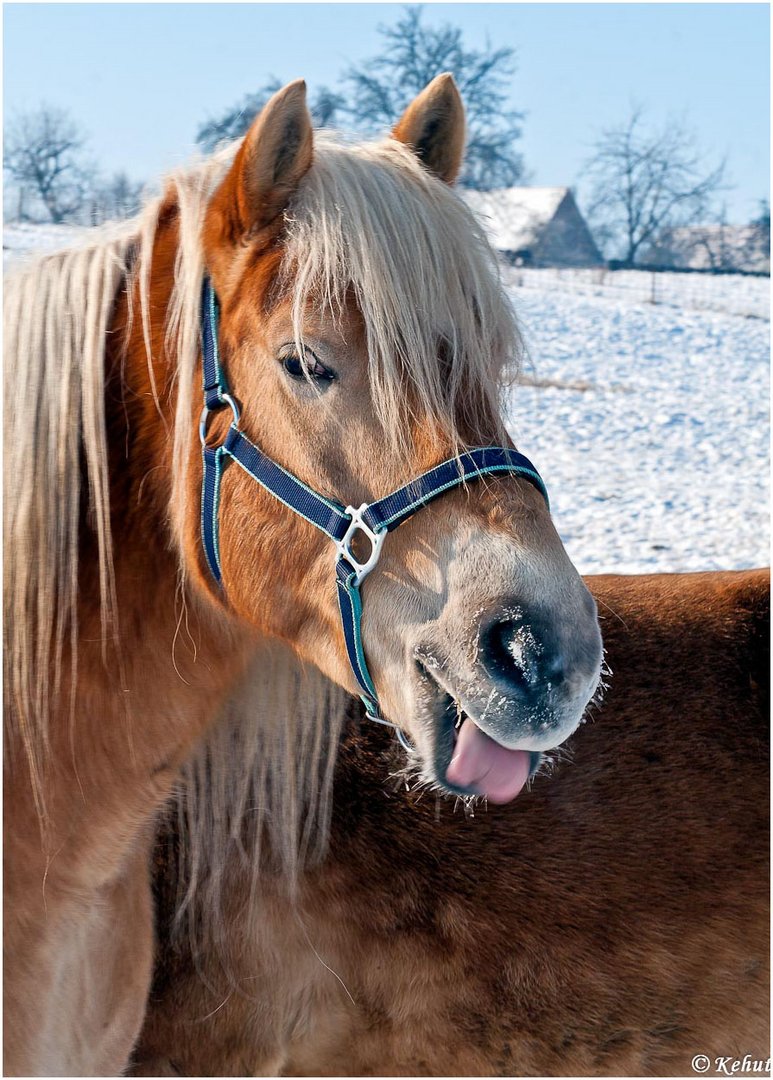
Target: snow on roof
514,216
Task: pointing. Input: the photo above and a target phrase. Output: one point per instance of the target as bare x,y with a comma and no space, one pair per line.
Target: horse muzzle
522,688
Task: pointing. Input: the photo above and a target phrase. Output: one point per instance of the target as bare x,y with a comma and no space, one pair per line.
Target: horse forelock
369,222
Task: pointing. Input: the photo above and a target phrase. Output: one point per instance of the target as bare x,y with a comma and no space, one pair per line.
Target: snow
513,216
650,424
650,429
21,239
734,294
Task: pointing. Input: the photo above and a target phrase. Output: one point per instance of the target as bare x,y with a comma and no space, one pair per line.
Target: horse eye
303,368
294,366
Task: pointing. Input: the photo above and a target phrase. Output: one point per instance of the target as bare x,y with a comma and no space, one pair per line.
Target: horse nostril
515,655
503,654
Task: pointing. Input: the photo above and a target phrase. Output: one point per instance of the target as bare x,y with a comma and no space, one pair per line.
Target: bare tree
413,54
234,122
44,158
326,106
646,182
375,93
763,215
115,198
758,244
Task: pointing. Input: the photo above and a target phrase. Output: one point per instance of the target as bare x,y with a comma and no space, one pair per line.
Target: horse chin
466,762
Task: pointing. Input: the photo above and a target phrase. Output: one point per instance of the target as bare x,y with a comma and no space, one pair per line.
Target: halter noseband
340,524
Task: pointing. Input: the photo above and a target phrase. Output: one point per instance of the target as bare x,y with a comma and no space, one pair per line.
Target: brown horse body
611,921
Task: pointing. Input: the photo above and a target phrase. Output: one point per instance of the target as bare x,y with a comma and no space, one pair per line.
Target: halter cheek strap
341,524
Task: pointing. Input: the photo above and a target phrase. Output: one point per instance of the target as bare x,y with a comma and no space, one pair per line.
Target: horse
216,416
613,921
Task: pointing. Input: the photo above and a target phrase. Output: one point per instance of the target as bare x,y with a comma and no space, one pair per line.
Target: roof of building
515,216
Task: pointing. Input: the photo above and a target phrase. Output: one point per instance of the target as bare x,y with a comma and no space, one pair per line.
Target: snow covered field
733,294
22,239
649,423
651,428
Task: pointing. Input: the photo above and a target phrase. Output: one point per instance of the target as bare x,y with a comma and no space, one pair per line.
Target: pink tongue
486,767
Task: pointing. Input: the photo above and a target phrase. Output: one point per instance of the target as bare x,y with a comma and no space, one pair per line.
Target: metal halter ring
343,546
224,399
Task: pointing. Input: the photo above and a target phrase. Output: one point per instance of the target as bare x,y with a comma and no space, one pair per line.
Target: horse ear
273,158
433,126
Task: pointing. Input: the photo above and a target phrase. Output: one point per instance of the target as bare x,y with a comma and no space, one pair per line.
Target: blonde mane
258,793
366,220
56,318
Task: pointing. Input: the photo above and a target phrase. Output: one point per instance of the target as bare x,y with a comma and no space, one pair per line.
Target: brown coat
613,920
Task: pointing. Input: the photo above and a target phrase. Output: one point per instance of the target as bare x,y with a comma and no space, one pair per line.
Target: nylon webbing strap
210,505
396,508
339,524
215,384
327,515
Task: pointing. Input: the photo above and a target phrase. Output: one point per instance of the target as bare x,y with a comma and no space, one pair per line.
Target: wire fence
729,294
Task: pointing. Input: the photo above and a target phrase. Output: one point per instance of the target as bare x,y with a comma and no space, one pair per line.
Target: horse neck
176,650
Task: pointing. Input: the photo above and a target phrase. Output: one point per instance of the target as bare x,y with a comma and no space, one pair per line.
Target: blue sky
139,78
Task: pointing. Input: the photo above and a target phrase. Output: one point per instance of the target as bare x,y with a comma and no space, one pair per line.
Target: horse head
365,335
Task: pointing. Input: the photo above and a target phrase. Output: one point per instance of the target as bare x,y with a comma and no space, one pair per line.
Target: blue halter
340,524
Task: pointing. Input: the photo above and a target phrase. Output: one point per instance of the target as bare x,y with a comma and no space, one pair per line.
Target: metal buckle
225,399
343,549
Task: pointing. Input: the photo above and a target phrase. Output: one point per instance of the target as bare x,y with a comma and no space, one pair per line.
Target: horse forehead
265,301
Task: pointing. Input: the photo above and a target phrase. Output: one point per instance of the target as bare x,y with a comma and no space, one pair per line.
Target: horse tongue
487,768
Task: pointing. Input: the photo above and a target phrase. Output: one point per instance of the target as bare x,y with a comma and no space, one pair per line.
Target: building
536,226
713,247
